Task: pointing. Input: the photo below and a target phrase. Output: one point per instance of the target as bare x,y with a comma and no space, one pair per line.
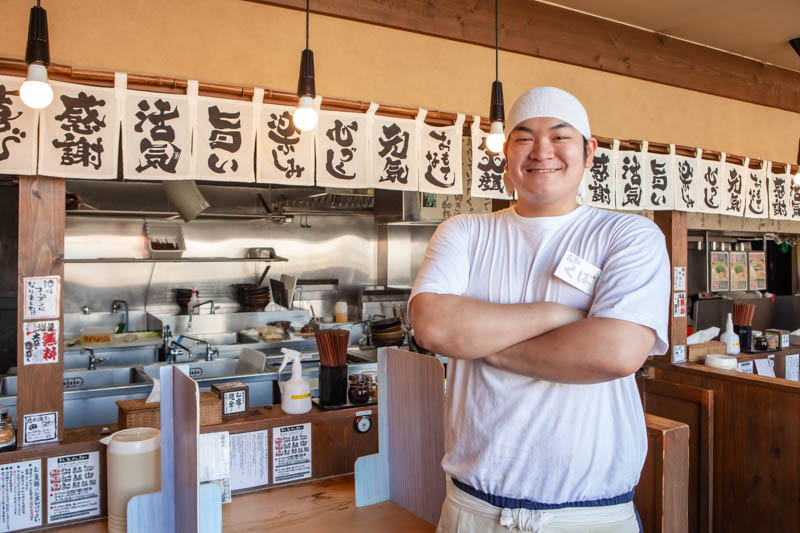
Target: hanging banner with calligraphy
79,133
709,171
779,201
394,152
733,190
686,194
794,201
599,181
18,124
629,177
343,149
487,167
440,158
756,201
224,140
285,154
658,179
157,136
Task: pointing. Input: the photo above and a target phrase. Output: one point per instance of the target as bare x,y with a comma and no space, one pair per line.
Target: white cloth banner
79,132
756,201
710,197
779,200
157,136
659,178
18,124
343,149
224,140
687,184
394,147
286,155
487,167
598,187
629,177
794,201
440,158
733,190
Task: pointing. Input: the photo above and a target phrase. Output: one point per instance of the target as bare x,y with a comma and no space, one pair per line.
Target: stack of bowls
251,297
182,297
387,332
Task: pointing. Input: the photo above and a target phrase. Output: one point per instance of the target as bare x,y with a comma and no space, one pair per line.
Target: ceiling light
495,140
36,91
305,116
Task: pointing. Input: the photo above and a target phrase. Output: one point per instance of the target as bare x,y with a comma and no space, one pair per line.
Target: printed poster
291,453
42,297
40,342
720,271
73,487
738,271
214,462
21,495
679,305
758,271
249,459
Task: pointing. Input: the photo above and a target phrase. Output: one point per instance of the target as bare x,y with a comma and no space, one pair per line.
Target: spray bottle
730,338
296,398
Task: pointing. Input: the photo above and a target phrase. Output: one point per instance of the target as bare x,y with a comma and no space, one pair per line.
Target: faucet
210,350
173,345
93,360
116,305
213,307
86,310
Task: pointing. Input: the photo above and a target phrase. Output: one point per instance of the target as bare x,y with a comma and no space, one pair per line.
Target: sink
215,339
200,369
87,379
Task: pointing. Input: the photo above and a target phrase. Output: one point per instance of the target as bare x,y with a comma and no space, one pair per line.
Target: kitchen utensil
263,275
278,292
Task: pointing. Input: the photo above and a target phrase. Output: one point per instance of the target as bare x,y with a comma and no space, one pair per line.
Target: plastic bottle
193,301
296,397
730,338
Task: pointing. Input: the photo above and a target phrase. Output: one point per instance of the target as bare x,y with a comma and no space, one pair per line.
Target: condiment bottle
730,338
341,311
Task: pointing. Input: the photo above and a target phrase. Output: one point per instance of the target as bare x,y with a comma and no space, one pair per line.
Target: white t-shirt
520,437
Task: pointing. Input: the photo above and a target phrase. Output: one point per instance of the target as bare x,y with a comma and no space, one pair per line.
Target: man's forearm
592,350
466,328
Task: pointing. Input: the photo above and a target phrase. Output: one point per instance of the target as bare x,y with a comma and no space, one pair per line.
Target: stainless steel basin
87,379
215,339
200,369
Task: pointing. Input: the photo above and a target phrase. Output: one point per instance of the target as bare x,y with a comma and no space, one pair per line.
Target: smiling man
545,309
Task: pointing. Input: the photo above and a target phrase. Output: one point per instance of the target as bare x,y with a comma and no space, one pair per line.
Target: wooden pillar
674,226
41,253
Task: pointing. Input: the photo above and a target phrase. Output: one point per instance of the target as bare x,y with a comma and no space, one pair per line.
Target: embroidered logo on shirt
578,272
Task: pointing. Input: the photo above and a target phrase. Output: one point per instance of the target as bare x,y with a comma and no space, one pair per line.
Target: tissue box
136,413
698,352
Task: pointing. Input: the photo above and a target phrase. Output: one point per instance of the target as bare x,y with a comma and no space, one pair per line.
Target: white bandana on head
549,102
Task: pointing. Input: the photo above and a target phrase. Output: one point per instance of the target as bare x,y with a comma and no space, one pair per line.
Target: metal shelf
181,260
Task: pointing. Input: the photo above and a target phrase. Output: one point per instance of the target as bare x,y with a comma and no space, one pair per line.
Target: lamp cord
307,1
496,55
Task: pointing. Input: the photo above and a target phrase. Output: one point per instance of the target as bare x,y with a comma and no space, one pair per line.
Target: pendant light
35,90
305,116
496,138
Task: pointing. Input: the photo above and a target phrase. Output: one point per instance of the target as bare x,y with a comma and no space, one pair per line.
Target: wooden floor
325,506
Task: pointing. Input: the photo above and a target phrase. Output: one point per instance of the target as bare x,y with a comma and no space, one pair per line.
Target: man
546,310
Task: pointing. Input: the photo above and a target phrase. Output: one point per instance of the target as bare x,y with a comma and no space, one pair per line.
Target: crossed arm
543,340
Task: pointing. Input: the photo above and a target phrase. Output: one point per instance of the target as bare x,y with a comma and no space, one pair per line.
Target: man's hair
585,148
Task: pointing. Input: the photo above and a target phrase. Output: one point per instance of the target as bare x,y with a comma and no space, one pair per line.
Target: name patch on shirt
578,272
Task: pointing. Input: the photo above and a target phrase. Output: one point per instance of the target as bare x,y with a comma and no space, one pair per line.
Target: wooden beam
673,225
550,32
40,387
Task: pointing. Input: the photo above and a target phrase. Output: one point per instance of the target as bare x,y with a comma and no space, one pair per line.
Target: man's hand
466,328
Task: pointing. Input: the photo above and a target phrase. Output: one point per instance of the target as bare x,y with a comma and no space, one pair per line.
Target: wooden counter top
318,507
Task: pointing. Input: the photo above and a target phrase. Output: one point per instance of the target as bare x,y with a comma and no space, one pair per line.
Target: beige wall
238,42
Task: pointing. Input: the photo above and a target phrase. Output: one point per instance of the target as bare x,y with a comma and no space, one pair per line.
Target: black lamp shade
305,83
795,44
496,107
38,49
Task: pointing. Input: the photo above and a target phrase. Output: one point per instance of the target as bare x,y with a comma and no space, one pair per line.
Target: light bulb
496,139
35,91
305,116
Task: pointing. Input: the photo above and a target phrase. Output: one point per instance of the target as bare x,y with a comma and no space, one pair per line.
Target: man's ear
508,183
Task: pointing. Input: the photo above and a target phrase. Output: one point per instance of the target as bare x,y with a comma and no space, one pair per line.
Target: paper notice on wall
738,271
679,305
249,459
40,342
291,453
42,297
214,461
679,279
40,427
20,495
73,487
793,367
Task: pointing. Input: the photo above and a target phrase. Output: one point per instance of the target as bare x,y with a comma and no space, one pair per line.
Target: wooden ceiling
758,30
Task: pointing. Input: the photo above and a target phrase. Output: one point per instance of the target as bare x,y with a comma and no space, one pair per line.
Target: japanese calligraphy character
162,153
342,135
685,174
492,167
439,162
80,116
735,191
79,150
659,171
779,205
283,132
395,146
633,185
711,178
224,136
754,201
15,135
796,202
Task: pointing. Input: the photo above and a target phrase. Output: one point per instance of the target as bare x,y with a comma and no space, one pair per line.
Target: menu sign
291,453
73,487
21,495
42,297
738,271
758,271
720,269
